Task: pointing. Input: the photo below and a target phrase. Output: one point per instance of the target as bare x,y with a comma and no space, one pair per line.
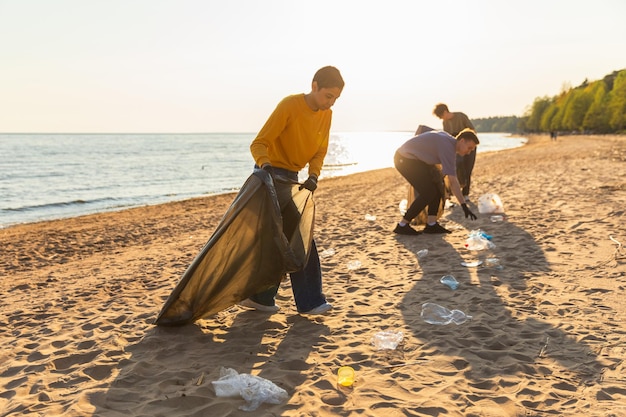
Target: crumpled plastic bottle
387,339
435,314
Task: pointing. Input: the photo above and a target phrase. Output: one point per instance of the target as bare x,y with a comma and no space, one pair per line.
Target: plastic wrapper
479,240
490,203
253,389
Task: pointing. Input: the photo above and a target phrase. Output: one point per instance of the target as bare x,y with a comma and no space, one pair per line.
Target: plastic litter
449,281
490,203
370,217
354,265
479,240
327,253
481,233
435,314
345,376
493,263
254,389
403,206
496,218
422,253
472,264
387,340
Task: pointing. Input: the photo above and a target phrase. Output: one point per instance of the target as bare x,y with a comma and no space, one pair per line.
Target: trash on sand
254,389
370,217
490,203
345,376
403,206
493,263
449,281
387,339
435,314
422,253
472,264
481,233
479,240
327,253
354,265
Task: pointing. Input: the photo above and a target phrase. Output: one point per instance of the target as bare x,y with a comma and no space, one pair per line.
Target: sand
546,337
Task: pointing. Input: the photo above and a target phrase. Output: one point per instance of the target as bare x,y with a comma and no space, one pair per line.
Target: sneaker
321,309
405,230
259,307
436,229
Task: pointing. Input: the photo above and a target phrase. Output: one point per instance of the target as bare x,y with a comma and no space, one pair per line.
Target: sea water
53,176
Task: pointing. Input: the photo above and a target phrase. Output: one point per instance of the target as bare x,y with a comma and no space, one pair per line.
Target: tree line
593,107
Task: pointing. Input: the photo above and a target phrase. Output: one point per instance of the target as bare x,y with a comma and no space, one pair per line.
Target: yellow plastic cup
345,376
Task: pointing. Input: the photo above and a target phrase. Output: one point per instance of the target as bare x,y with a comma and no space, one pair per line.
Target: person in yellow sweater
294,136
454,123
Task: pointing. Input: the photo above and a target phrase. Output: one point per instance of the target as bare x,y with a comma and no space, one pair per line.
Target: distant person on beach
296,134
553,135
453,123
416,160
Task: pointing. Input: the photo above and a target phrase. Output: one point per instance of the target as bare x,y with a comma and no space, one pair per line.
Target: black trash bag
264,234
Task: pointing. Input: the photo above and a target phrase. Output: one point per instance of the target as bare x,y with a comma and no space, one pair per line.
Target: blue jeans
306,284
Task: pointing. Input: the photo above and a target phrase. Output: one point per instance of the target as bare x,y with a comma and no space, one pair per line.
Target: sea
55,176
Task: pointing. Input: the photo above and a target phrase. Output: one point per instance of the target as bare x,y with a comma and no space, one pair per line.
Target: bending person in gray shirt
416,160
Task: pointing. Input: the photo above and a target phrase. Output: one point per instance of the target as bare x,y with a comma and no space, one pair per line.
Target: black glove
310,183
468,212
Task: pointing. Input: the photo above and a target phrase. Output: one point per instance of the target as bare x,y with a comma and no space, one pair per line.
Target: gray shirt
434,147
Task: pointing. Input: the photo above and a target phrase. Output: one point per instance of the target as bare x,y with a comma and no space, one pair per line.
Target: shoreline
67,206
545,337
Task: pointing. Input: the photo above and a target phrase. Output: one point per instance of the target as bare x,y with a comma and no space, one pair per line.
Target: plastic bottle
449,281
493,263
435,314
387,339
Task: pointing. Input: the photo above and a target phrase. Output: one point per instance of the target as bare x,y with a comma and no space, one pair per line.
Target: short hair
328,77
468,134
440,109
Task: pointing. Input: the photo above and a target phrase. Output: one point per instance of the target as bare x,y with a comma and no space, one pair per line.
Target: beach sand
546,337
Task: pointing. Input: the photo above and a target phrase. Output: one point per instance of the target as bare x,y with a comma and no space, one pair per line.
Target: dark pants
306,284
425,180
464,168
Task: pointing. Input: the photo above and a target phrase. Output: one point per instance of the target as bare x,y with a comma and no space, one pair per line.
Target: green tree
596,119
562,103
545,125
535,113
578,103
617,103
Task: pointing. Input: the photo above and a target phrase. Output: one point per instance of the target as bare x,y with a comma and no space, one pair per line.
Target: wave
54,205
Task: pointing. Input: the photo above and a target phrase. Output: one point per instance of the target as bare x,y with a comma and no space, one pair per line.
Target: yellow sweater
293,136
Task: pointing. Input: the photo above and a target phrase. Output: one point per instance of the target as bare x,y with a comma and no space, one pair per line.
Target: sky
189,66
